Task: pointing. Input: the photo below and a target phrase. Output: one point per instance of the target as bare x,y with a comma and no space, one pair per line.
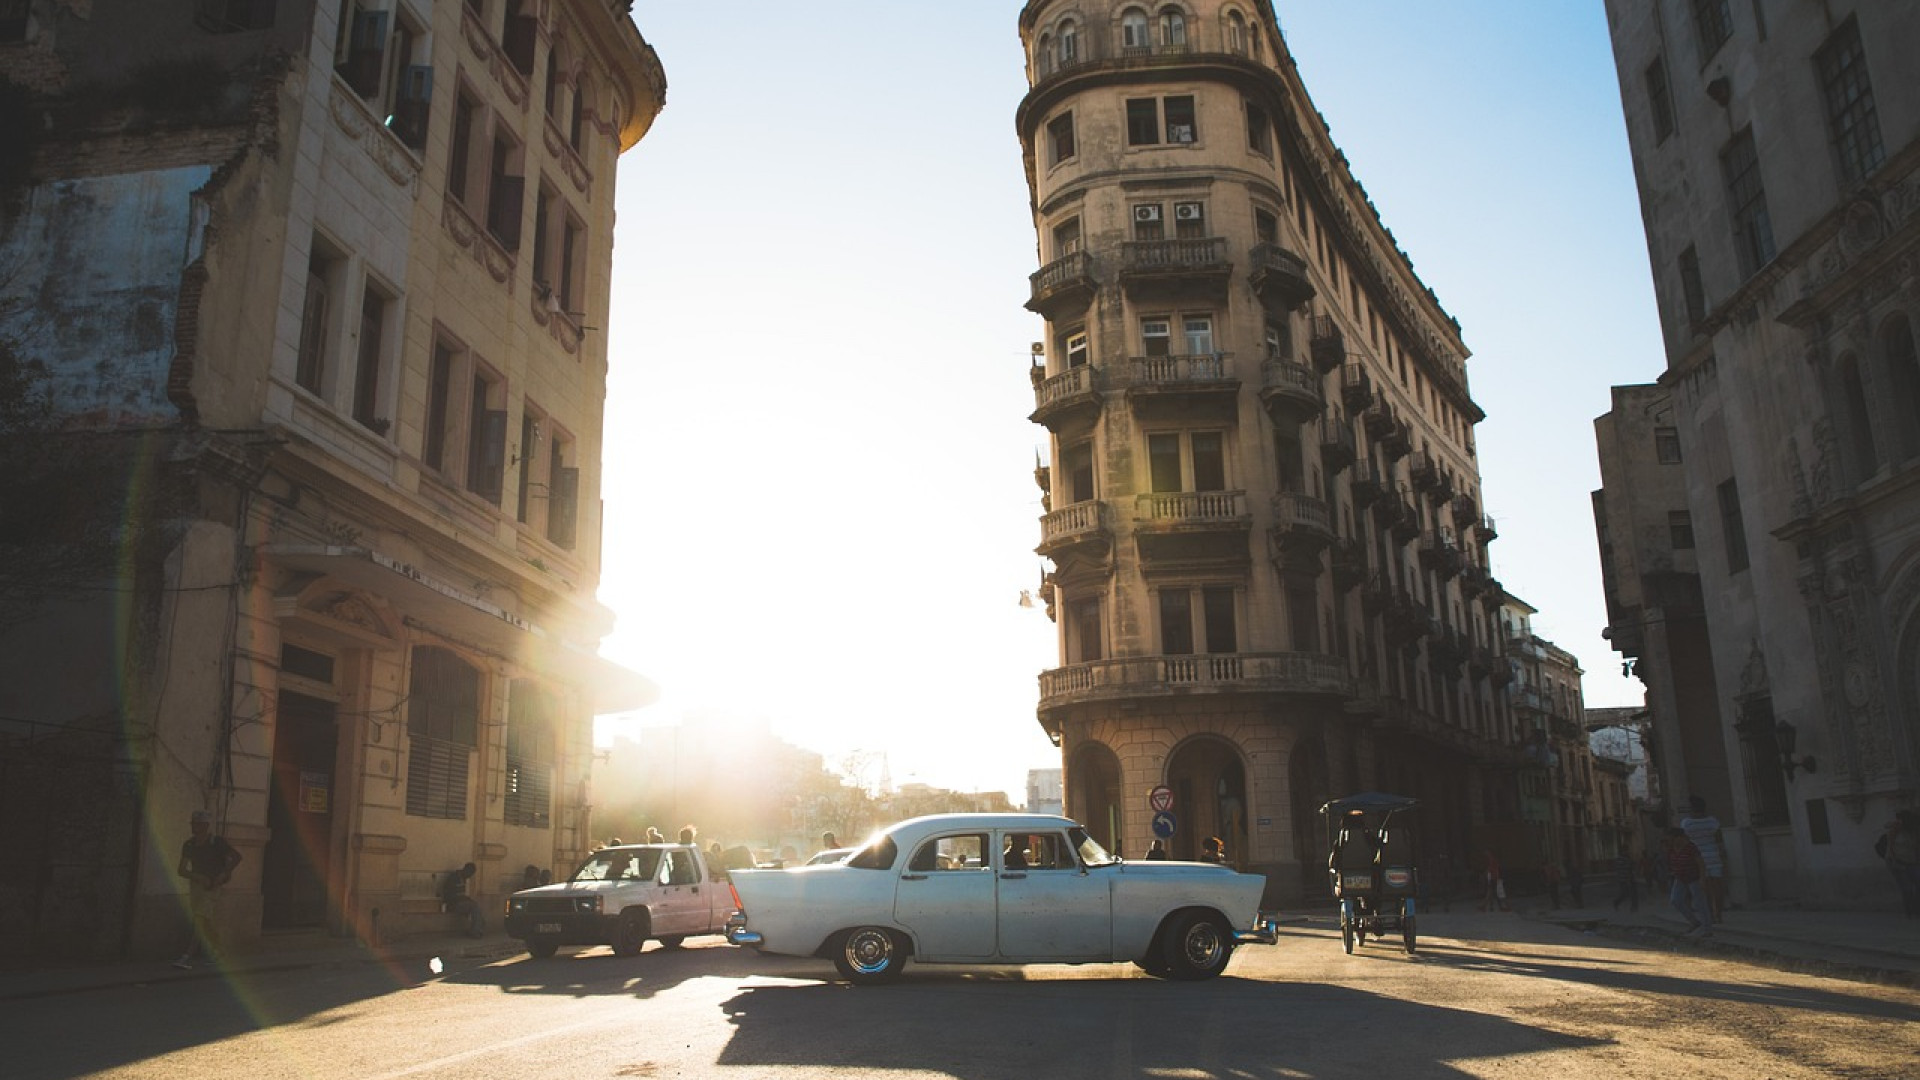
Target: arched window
1043,61
1069,43
1903,370
1133,31
1173,29
577,122
1237,34
1859,433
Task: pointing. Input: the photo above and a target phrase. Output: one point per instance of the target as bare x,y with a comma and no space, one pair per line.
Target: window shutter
522,34
503,217
366,53
493,453
563,508
415,97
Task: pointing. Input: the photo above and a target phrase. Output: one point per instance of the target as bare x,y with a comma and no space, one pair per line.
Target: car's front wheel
630,933
542,949
1196,946
869,954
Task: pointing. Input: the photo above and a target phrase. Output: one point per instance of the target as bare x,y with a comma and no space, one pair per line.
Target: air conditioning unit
1187,211
1146,213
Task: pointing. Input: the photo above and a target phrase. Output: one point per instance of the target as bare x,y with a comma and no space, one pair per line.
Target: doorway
1210,798
1094,800
297,865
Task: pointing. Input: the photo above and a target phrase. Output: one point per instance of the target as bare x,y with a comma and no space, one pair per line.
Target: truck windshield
620,864
1091,853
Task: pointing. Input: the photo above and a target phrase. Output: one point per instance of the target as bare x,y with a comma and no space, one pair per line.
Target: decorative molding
351,117
479,243
569,160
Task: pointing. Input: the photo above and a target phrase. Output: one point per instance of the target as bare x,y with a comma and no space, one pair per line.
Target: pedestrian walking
1157,851
1688,894
1626,887
207,862
1899,846
1495,898
1704,830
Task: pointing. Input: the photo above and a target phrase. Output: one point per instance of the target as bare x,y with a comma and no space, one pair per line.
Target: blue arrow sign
1163,824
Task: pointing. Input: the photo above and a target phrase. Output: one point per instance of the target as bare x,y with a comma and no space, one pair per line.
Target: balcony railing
1291,392
1292,510
1192,507
1279,275
1064,285
1146,676
1053,58
1202,253
1072,382
1169,371
1081,520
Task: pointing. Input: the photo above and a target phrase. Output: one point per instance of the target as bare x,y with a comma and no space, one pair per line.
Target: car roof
985,821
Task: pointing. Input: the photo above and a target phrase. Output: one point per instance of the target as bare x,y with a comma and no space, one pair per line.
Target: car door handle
913,877
1014,874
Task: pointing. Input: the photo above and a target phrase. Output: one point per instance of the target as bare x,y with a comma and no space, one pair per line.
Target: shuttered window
443,721
530,753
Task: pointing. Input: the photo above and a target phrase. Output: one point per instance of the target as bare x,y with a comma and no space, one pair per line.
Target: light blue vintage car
999,889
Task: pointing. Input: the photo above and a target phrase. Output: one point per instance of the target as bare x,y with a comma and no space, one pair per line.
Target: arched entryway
1093,794
1209,783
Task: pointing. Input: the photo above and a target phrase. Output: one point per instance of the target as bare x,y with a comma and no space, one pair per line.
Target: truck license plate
547,928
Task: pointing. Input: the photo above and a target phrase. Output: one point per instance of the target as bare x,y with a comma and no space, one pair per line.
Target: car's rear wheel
869,954
1196,946
672,941
542,949
630,933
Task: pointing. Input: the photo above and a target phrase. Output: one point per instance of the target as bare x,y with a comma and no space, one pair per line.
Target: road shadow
987,1025
596,972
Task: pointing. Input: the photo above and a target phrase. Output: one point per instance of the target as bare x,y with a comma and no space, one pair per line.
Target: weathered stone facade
1778,154
1269,555
319,272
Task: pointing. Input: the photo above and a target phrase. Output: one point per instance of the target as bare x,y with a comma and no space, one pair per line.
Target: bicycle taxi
1370,863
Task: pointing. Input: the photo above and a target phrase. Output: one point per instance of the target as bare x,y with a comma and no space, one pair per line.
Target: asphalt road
1485,996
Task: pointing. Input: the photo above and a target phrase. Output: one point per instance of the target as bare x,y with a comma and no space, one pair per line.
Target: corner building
1269,556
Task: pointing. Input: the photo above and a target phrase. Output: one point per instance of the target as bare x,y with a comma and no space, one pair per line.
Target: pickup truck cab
621,896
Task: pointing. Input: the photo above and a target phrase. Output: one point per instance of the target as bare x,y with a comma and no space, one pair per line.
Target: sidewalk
1879,946
270,955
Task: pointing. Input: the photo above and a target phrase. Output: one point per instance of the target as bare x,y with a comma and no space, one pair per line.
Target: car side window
1049,851
962,851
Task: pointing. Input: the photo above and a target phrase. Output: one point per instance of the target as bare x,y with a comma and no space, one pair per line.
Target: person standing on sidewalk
1704,830
454,899
207,862
1625,871
1688,894
1899,845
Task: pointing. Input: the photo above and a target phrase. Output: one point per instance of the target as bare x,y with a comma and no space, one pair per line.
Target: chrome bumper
1266,931
737,931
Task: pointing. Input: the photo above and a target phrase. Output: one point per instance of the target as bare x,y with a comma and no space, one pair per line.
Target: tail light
737,905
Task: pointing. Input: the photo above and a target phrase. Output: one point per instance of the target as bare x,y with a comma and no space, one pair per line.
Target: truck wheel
1195,947
869,954
630,933
542,949
672,941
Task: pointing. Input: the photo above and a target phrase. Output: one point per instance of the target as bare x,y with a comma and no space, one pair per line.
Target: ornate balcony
1172,676
1302,528
1193,526
1356,387
1349,563
1279,277
1064,287
1446,651
1441,493
1070,398
1179,268
1466,512
1291,393
1079,532
1398,441
1378,419
1481,662
1204,381
1407,621
1424,471
1367,484
1329,344
1338,448
1377,596
1485,530
1402,522
1474,580
1440,554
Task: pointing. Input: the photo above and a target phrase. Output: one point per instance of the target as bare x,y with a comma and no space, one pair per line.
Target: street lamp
1786,737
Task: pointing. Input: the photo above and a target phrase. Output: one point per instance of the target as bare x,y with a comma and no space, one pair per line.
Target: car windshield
620,864
1091,853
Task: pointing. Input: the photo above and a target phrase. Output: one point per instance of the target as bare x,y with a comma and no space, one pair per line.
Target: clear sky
820,508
